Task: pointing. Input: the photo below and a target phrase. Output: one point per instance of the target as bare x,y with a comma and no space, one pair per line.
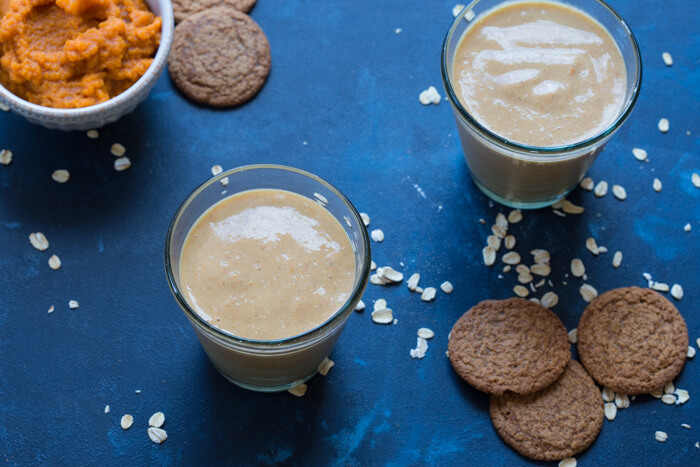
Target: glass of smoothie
537,89
267,262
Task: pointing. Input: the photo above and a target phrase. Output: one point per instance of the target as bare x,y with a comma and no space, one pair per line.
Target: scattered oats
515,216
568,462
687,227
541,269
677,291
657,185
365,218
506,268
682,395
489,255
571,208
127,421
588,292
376,279
325,366
51,308
224,181
695,178
669,399
608,394
511,258
592,246
377,235
577,267
380,304
502,221
457,9
447,287
39,241
469,15
510,242
540,283
587,184
93,134
685,425
5,156
558,204
668,60
157,435
657,393
412,282
610,411
573,335
525,278
60,176
663,125
138,391
397,31
118,150
106,408
639,154
602,249
121,164
299,390
384,316
669,388
541,256
428,294
4,107
549,300
157,419
691,351
390,274
522,269
601,189
535,300
499,231
494,242
426,333
323,200
660,287
482,221
622,401
521,291
372,266
661,436
558,213
617,259
73,305
55,262
419,290
216,170
619,192
429,96
421,348
360,306
697,341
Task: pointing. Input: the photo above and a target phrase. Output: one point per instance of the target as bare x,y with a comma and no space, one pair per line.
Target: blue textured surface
342,102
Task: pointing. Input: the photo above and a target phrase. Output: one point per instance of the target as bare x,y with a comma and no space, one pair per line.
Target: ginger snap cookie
219,57
554,423
632,340
509,345
184,8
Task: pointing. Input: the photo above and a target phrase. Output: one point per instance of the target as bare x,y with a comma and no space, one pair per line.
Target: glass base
252,387
515,203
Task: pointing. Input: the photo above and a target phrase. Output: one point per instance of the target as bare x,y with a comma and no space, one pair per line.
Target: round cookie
555,423
632,340
185,8
219,57
509,345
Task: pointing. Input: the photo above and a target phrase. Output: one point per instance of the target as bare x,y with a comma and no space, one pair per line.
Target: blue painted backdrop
342,102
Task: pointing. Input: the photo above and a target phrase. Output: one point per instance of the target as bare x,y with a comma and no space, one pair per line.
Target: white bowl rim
152,73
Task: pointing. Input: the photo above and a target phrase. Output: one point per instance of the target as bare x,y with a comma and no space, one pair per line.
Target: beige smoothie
267,264
540,74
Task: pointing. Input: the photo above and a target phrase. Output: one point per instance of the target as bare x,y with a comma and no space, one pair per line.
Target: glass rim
543,152
291,341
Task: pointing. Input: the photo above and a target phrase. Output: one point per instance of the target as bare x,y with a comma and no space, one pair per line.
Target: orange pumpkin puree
75,53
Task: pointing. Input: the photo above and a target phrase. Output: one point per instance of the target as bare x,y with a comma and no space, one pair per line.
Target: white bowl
96,116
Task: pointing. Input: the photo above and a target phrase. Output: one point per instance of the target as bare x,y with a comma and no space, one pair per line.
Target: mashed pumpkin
75,53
